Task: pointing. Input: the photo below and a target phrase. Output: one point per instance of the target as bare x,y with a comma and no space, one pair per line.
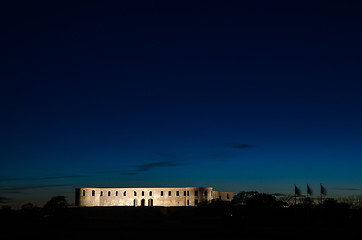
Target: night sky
235,96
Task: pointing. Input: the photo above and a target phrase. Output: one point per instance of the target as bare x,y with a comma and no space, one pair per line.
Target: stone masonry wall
167,197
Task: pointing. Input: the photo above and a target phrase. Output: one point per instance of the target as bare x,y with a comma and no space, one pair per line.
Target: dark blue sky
237,96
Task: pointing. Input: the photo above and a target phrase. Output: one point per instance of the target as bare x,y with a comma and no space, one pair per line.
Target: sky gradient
235,96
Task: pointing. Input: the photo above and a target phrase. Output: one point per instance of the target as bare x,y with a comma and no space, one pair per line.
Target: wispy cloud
148,166
235,146
39,178
5,200
243,146
11,192
130,173
31,187
57,177
279,194
221,155
348,189
166,154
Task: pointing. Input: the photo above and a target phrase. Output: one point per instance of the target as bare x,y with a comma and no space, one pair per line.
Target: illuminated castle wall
166,197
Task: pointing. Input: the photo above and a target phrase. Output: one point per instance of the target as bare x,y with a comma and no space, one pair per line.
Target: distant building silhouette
166,197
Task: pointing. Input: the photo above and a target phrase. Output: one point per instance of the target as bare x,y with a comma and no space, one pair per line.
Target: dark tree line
247,214
245,206
53,206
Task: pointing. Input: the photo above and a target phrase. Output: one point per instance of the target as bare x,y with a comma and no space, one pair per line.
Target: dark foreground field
165,223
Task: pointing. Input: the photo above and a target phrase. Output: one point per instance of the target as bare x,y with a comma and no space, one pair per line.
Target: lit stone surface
166,197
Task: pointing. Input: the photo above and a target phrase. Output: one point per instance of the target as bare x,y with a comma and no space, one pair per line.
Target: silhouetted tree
30,210
28,206
256,199
354,201
6,208
335,211
263,200
242,197
308,201
334,204
7,213
54,204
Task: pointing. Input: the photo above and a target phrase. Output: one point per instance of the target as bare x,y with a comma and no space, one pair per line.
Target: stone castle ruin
164,197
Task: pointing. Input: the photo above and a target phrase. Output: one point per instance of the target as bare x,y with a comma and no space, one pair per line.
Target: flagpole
323,192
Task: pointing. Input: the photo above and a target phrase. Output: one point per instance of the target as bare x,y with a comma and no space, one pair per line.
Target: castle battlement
165,197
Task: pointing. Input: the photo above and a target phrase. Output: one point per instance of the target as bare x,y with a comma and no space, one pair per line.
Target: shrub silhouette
55,204
242,197
308,201
263,201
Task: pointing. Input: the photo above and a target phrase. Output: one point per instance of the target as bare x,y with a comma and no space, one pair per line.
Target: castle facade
165,197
